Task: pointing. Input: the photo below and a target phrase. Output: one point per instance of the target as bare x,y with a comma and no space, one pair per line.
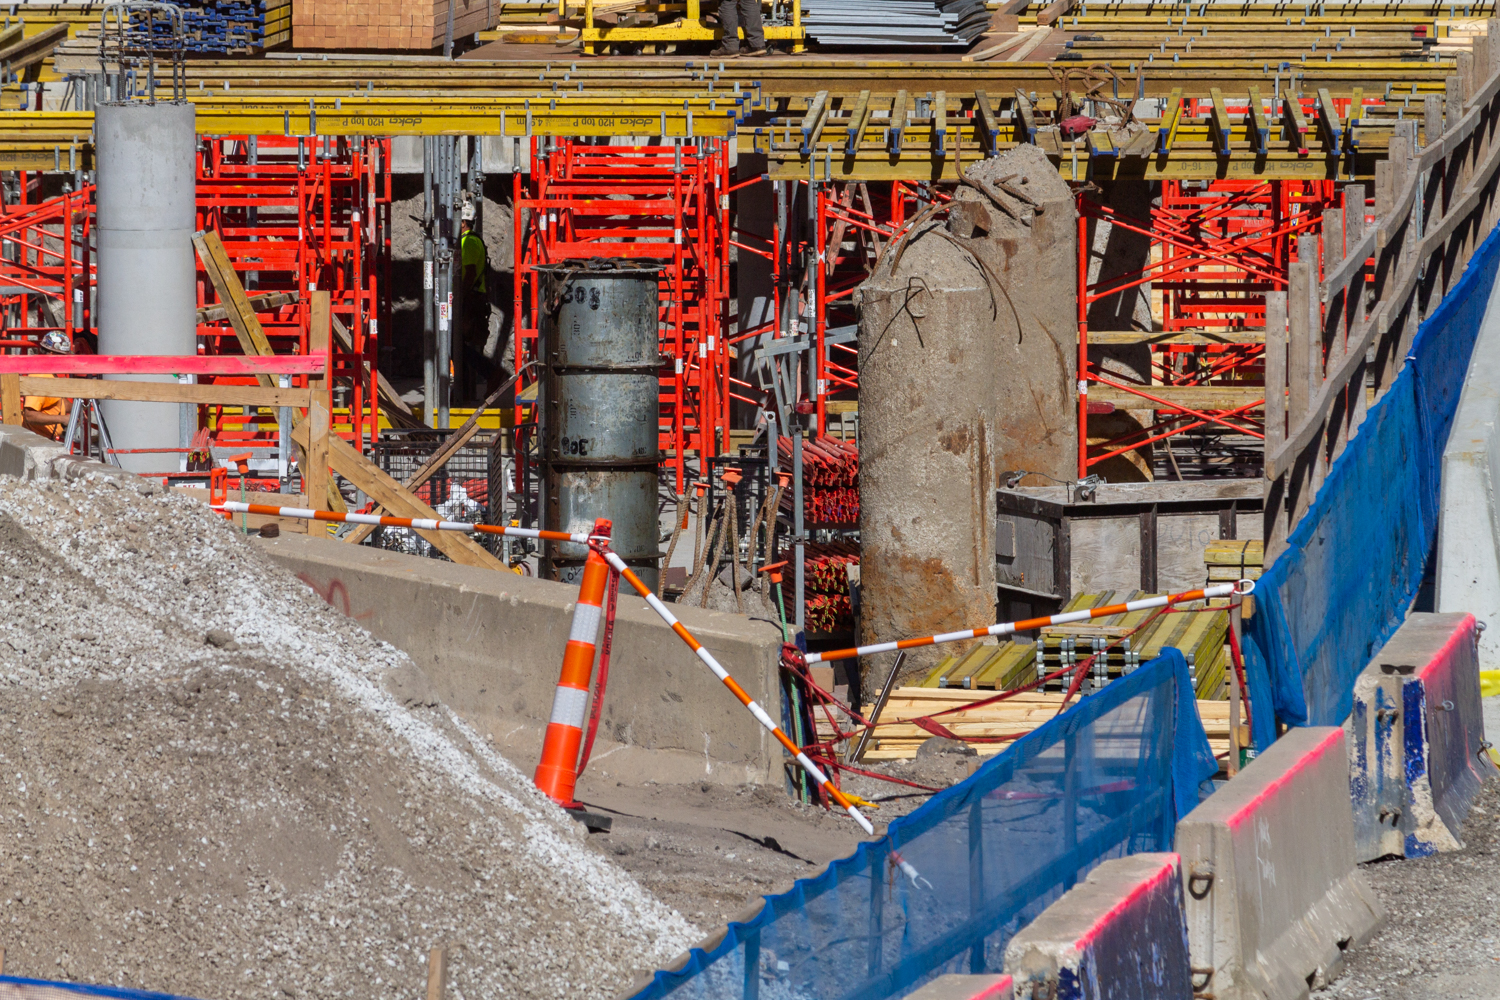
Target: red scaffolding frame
668,203
46,264
294,216
1218,248
303,214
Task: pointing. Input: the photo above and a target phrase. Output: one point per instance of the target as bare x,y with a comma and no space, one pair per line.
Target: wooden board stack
386,25
1014,717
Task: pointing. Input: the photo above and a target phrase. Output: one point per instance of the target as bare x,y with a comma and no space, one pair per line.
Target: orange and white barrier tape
557,772
1007,628
419,523
760,714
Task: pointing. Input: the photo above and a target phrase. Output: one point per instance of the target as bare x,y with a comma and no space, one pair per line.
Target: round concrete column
147,303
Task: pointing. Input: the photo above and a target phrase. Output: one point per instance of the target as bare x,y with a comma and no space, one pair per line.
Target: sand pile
213,784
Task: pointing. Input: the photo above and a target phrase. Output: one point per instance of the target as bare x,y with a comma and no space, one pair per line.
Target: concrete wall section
492,644
1121,933
1416,739
1273,896
1468,566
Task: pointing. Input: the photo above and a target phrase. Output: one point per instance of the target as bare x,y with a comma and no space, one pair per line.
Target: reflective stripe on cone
557,773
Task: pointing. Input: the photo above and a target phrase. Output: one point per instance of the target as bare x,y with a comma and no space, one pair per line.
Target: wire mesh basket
459,491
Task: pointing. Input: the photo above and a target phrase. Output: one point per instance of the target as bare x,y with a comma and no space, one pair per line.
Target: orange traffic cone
557,773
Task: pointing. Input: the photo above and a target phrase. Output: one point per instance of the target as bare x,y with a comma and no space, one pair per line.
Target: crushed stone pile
212,784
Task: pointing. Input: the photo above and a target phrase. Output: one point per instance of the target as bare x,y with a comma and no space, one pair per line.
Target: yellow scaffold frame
689,29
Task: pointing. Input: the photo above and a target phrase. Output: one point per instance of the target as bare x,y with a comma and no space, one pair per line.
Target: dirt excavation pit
212,784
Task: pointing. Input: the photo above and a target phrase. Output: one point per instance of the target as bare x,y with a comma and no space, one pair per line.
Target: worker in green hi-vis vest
474,287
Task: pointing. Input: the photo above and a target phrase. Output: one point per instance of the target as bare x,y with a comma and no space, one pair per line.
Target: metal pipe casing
600,387
146,287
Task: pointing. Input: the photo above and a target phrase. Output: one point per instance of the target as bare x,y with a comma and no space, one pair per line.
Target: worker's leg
755,36
730,20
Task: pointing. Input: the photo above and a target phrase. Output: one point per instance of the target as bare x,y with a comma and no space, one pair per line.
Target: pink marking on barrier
1445,656
1000,988
1333,739
1142,889
150,364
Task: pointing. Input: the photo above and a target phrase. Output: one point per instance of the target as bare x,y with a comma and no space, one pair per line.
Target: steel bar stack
830,486
900,24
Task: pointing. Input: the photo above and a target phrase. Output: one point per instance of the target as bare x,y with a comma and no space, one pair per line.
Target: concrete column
147,303
968,345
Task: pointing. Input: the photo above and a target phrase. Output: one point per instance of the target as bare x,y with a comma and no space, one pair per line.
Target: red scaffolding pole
46,265
300,215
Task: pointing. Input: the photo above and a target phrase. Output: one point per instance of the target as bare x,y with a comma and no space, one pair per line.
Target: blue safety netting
1108,778
42,989
1354,563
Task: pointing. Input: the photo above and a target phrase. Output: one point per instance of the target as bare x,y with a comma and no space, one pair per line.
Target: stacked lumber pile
386,25
1012,718
1118,643
1232,560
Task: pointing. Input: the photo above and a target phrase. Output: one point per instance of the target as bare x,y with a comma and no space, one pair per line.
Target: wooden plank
1275,368
1024,117
227,286
1050,14
1300,339
162,392
1260,127
150,364
10,398
316,482
264,302
1222,127
994,50
1194,397
384,490
1295,125
1032,44
437,973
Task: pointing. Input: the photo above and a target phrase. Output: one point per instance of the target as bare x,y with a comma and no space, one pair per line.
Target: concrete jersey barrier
1273,896
1120,933
492,643
1416,739
958,987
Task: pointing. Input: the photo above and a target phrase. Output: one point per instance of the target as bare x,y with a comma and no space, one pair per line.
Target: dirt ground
711,850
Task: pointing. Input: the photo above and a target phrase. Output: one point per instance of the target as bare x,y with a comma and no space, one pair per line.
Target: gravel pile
212,784
1440,938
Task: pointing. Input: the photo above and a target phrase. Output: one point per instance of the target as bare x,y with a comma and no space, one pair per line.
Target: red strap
599,685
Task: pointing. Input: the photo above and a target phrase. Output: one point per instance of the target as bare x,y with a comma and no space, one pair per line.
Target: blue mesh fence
1354,563
17,988
1107,778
